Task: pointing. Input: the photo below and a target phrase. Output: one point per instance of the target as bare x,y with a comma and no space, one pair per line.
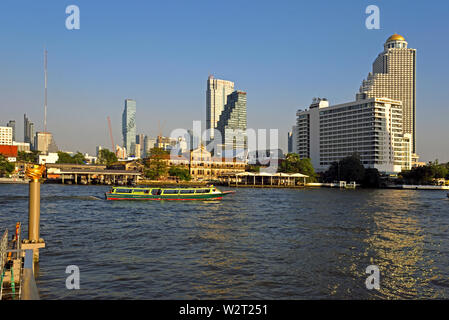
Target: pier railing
3,248
17,280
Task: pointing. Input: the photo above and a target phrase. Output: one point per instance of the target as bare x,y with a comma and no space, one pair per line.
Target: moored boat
155,193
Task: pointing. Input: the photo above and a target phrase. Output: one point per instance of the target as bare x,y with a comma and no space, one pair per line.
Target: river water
254,244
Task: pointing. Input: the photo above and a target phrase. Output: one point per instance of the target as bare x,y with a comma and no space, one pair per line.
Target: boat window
171,191
187,191
156,192
202,191
123,190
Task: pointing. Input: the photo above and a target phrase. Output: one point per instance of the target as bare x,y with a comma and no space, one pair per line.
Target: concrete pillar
62,175
76,178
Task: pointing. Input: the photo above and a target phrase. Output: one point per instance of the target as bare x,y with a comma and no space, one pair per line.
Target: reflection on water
398,244
255,244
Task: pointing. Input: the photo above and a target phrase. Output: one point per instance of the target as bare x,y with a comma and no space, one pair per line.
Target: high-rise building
193,139
44,142
216,98
149,143
129,127
6,136
232,126
394,77
372,128
292,137
98,150
28,131
12,124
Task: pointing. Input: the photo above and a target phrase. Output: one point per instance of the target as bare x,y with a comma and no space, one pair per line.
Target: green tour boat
154,193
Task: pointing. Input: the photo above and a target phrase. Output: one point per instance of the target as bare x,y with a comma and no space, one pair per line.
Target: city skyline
280,72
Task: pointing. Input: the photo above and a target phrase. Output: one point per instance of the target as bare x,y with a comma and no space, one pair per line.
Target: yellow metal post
33,241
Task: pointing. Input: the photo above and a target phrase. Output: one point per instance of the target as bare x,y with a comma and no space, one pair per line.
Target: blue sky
282,53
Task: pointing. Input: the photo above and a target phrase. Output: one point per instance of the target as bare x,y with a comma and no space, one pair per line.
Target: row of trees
351,169
426,174
6,167
294,164
77,158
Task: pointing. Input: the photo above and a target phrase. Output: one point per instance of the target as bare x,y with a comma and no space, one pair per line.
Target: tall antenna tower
45,93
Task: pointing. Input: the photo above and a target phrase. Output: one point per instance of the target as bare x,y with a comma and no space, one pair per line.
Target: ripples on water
255,244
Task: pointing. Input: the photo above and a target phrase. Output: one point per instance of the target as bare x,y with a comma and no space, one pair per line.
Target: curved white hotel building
372,128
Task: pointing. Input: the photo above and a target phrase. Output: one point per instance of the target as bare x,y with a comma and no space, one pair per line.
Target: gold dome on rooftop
396,37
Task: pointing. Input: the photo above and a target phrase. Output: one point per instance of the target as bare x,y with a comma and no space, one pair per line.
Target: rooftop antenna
45,93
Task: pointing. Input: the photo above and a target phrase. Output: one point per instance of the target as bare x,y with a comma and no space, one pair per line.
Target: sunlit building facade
372,128
394,77
232,127
217,93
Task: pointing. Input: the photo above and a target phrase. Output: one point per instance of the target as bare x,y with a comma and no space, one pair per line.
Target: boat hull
176,197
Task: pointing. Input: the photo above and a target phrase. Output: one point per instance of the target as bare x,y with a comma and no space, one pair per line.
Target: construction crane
110,135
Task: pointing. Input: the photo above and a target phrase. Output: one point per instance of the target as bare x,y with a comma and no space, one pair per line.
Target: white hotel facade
372,128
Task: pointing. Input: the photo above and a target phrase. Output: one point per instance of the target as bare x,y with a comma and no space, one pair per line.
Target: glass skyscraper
28,131
232,126
129,127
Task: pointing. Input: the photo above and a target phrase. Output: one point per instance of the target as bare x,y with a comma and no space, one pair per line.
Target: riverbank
159,183
14,180
418,187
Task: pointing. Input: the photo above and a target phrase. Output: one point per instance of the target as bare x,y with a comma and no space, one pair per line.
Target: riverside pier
18,257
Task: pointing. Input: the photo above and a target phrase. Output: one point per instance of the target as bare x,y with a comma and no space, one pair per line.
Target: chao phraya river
255,244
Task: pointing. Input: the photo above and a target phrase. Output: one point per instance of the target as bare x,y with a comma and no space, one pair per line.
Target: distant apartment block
372,128
44,142
22,146
12,124
6,136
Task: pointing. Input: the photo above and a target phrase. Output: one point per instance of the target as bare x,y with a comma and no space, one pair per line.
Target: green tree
294,164
426,174
64,157
155,166
106,157
252,168
32,156
78,158
180,172
371,178
6,167
347,169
